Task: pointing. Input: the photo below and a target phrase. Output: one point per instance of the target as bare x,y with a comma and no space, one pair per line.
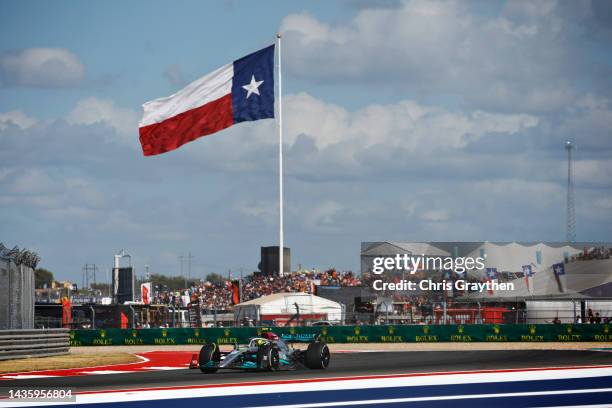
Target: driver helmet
270,336
260,342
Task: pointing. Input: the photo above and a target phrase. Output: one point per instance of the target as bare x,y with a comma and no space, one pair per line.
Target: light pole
571,210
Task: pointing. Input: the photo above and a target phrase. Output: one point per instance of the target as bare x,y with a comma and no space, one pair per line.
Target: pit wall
352,334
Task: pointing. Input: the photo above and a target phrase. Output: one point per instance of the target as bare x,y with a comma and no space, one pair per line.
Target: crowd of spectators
599,252
220,295
587,254
302,281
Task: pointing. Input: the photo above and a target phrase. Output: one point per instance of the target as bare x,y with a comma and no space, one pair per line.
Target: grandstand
506,258
582,279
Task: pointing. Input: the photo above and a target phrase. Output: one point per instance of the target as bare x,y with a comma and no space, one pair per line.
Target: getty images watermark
436,272
412,264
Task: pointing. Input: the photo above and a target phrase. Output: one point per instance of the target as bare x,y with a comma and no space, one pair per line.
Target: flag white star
253,87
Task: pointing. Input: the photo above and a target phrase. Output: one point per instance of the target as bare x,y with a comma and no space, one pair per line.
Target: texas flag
491,276
559,271
237,92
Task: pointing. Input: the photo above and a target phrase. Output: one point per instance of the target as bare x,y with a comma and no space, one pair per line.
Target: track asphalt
342,365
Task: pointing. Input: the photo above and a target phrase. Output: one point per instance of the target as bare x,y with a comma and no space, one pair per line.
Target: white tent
283,305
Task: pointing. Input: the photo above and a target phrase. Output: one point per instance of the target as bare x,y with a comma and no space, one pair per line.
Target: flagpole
281,246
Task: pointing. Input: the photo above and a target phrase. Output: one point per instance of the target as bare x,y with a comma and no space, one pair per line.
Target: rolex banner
491,333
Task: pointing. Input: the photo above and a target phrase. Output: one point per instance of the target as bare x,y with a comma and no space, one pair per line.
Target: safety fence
16,344
352,334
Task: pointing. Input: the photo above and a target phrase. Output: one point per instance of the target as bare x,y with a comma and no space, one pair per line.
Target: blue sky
405,120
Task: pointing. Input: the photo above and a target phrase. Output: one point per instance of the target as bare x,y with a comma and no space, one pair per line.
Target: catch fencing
16,294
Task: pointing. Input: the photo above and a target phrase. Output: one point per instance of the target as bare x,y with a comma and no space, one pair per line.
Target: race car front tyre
268,358
209,358
317,356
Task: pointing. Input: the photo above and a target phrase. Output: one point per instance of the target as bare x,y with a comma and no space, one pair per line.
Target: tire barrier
352,334
15,344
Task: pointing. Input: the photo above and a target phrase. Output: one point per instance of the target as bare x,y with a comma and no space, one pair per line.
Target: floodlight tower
571,210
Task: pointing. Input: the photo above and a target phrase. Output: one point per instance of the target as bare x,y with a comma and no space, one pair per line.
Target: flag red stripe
187,126
124,321
235,293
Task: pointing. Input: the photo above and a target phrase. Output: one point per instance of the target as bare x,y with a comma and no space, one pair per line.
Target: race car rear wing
300,337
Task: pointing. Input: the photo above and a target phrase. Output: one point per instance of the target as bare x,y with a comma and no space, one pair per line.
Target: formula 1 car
266,353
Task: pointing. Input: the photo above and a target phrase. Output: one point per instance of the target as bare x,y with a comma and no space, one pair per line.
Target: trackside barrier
352,334
16,344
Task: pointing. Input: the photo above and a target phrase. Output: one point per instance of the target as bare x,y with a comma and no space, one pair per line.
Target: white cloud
406,123
322,217
174,75
326,122
265,211
589,124
93,110
32,181
41,67
46,188
124,221
71,212
434,215
324,140
16,117
522,58
593,172
524,193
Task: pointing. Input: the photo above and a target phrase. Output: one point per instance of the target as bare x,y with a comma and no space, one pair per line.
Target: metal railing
15,344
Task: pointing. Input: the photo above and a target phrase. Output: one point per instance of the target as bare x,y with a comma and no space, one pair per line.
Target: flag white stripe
208,88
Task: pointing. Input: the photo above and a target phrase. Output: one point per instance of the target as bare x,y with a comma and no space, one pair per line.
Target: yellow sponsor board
496,337
357,339
426,339
74,342
606,336
602,337
569,337
195,340
164,341
531,338
461,338
133,341
227,340
391,339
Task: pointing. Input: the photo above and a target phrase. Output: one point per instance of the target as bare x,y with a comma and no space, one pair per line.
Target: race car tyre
317,356
209,355
268,358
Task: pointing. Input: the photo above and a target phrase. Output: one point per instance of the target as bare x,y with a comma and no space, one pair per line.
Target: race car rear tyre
317,356
268,358
209,355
